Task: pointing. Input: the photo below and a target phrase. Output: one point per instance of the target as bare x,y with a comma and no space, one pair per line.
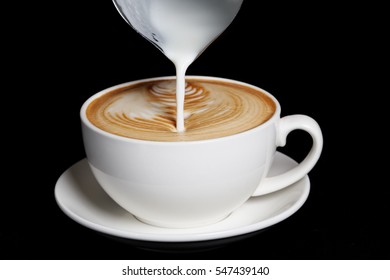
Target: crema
212,109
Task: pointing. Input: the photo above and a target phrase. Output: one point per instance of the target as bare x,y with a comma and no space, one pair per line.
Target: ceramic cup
195,183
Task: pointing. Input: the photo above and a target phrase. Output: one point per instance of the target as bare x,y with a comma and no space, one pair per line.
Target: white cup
195,183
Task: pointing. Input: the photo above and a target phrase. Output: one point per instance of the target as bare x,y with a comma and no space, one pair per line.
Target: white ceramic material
180,29
189,184
82,199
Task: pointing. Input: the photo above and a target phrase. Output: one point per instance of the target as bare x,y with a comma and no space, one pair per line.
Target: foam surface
212,109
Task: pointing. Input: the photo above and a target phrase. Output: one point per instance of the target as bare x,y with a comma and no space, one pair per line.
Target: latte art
212,109
155,104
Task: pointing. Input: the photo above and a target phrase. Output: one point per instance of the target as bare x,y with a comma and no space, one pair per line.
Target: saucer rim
189,237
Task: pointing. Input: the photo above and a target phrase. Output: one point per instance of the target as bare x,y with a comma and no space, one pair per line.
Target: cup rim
91,126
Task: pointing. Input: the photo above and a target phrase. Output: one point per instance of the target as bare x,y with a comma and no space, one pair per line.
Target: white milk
181,29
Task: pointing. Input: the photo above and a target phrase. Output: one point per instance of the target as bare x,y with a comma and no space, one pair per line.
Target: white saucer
82,199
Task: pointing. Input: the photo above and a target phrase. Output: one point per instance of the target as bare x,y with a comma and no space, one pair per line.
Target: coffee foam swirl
212,109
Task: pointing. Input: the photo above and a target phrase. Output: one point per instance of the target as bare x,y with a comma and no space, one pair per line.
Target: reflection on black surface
183,247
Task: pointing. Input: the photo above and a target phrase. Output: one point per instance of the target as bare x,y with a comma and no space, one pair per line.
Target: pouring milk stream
181,29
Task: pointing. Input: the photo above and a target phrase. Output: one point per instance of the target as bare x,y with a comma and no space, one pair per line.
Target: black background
316,59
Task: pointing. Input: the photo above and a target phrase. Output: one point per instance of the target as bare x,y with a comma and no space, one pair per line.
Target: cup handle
285,126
